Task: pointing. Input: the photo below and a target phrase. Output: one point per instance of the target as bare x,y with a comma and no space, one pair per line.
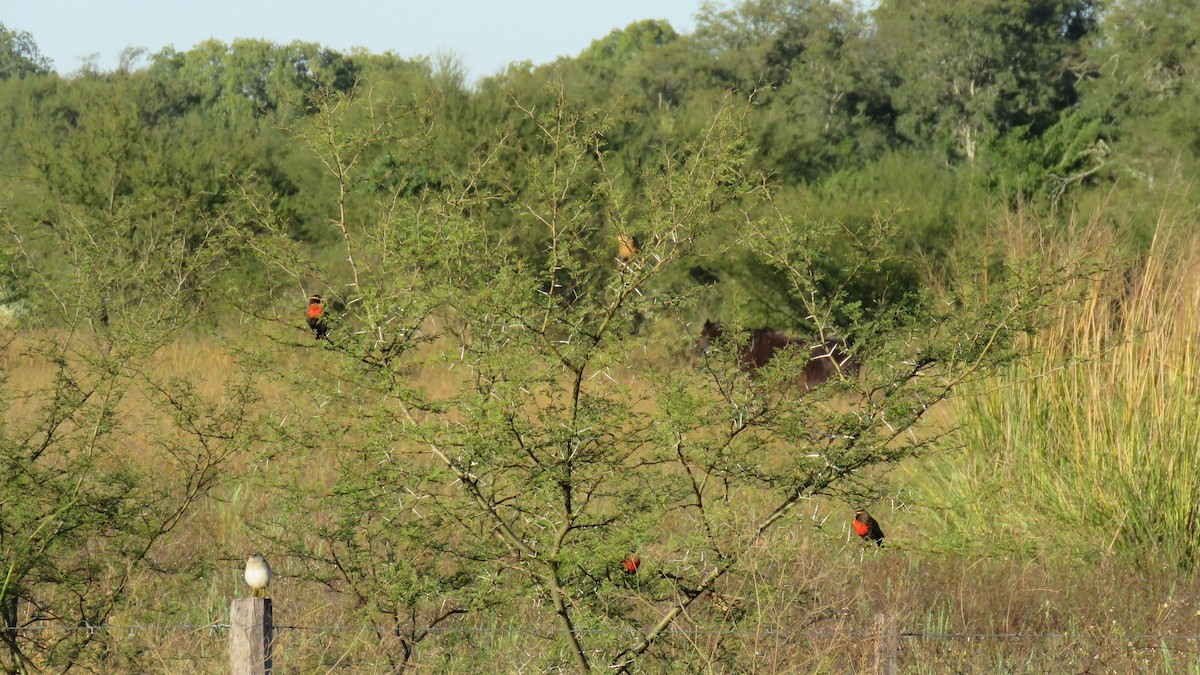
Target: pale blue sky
484,35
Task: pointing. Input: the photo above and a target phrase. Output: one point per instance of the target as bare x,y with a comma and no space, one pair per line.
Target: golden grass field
1062,537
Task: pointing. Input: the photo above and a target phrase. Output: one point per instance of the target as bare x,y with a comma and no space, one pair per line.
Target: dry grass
1097,430
963,595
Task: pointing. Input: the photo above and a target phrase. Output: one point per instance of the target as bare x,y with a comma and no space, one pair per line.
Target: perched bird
631,563
316,308
258,574
627,247
866,527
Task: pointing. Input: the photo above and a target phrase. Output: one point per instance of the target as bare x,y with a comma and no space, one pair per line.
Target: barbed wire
917,635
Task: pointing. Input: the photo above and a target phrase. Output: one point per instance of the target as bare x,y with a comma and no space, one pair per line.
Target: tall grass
1094,439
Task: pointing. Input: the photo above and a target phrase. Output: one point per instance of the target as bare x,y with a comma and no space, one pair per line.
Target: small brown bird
316,310
627,247
258,574
867,527
631,564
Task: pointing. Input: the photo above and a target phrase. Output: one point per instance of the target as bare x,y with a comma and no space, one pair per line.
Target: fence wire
526,630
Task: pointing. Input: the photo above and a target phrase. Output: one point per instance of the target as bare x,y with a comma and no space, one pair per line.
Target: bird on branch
316,319
627,247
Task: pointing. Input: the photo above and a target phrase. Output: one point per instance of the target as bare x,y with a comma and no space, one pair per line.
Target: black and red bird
316,320
631,563
867,527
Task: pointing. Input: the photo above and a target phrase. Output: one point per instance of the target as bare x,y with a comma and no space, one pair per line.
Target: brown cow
825,358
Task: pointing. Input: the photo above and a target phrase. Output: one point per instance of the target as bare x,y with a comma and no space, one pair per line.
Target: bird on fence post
258,574
867,527
316,308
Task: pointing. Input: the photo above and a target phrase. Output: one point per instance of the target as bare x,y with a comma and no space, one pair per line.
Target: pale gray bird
258,574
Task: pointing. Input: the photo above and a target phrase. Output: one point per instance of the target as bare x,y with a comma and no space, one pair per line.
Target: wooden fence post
887,643
251,632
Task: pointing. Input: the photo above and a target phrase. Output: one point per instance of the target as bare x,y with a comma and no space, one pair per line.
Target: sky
484,35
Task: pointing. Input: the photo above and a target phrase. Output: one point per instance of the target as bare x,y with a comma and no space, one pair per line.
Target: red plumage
315,309
867,527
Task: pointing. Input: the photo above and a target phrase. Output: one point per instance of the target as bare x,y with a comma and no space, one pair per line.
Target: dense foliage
954,102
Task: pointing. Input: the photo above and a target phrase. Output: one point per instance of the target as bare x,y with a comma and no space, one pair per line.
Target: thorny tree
104,453
500,430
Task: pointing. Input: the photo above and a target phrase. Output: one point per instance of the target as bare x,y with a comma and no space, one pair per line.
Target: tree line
927,107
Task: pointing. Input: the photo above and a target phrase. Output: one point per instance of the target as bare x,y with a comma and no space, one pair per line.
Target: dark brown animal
825,359
755,354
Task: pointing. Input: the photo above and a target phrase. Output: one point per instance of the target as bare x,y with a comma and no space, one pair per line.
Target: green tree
375,534
968,72
643,63
104,455
19,55
813,67
1141,83
256,77
616,49
490,439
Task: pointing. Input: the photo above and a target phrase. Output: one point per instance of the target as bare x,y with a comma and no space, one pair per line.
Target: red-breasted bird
631,563
316,309
866,527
